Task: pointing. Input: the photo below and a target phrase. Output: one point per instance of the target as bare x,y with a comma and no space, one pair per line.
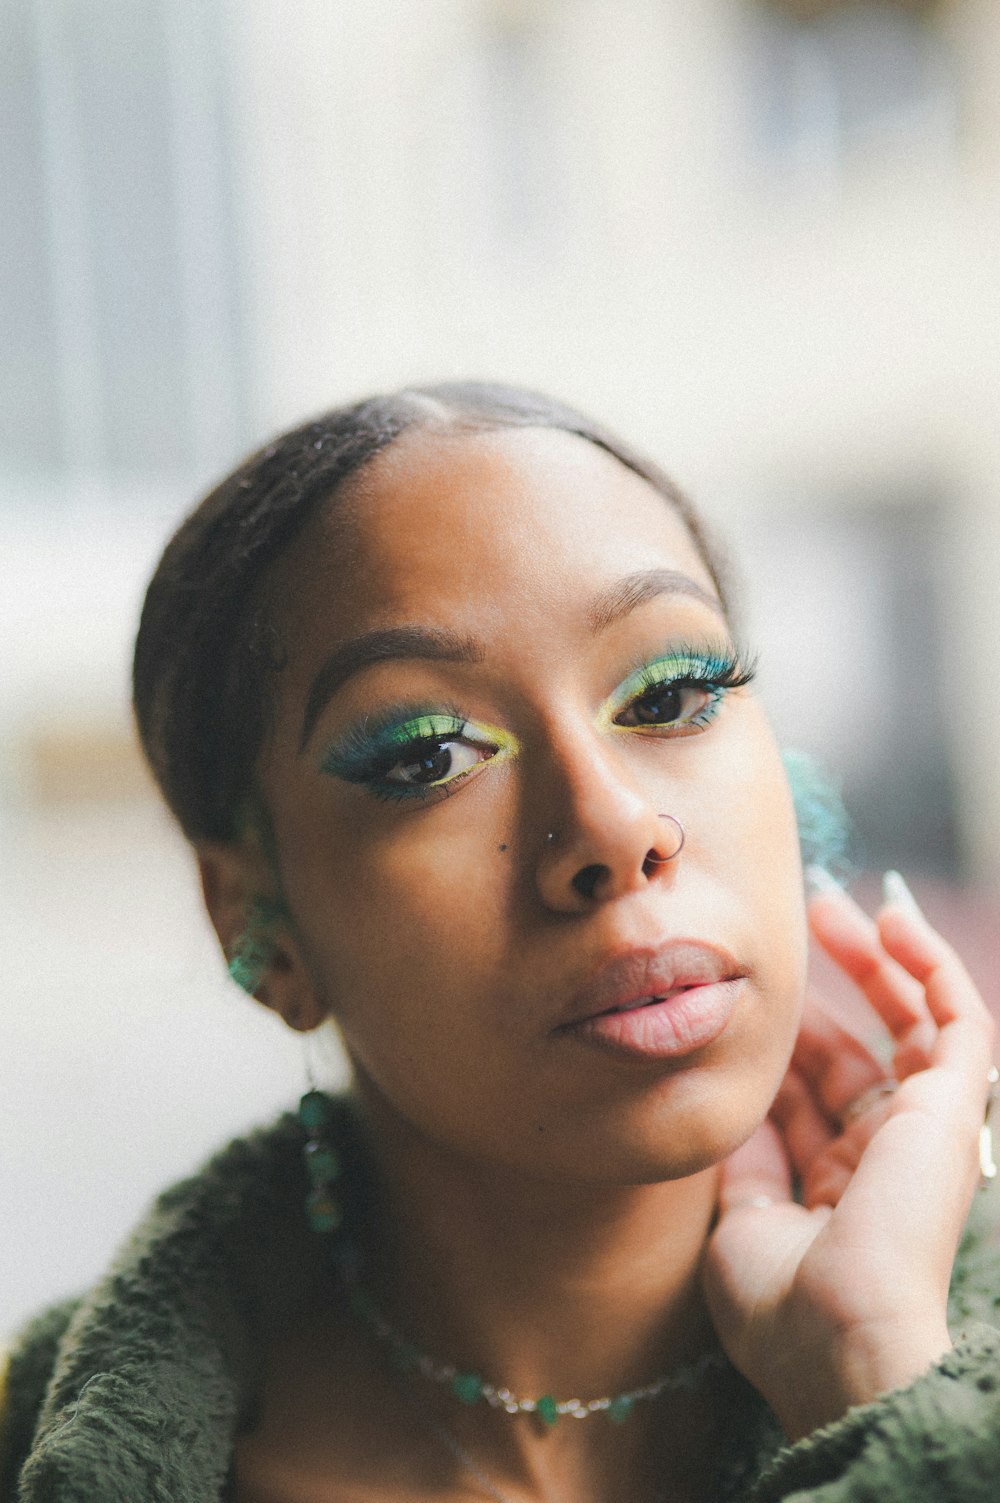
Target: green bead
247,968
620,1408
323,1212
468,1387
546,1409
322,1164
314,1110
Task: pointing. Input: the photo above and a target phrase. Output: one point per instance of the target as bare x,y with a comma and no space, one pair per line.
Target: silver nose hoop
658,860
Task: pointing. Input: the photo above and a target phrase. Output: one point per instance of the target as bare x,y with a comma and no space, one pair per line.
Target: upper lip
639,975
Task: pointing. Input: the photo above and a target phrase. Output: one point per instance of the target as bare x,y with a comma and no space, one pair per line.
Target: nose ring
551,837
662,860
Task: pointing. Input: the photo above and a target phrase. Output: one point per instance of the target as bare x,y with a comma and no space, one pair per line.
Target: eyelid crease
715,666
377,743
369,750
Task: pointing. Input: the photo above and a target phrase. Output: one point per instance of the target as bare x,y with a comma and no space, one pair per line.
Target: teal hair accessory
824,826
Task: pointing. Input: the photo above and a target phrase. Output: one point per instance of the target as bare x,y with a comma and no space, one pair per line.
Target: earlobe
256,934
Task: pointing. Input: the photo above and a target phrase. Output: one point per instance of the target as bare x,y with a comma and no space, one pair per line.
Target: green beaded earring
253,950
322,1164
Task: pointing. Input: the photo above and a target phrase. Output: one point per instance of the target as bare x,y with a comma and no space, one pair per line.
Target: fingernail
895,890
819,880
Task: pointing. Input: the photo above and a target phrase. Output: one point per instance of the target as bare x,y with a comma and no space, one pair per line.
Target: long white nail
819,880
896,891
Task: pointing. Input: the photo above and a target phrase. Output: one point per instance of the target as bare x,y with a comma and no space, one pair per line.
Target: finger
836,1063
966,1030
853,942
829,1176
826,1176
915,1049
804,1129
758,1171
927,956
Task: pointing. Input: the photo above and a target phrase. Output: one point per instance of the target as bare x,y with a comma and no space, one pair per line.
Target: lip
657,1003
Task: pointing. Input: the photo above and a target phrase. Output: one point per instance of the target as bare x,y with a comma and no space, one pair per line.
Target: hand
831,1302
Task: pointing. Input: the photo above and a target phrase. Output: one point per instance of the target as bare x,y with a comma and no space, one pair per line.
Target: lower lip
682,1024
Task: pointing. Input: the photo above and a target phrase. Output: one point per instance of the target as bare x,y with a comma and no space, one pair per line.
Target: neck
543,1288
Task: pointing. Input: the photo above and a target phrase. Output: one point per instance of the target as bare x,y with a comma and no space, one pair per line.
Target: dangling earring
323,1208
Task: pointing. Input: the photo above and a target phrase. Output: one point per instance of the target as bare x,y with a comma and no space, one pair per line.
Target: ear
239,893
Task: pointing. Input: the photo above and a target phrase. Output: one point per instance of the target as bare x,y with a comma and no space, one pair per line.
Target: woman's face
506,663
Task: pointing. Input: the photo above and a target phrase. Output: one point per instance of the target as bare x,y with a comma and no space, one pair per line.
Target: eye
404,755
435,762
681,692
672,704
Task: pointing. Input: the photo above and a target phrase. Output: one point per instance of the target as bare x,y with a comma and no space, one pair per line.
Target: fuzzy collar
157,1366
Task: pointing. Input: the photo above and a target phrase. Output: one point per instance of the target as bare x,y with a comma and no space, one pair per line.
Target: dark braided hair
204,648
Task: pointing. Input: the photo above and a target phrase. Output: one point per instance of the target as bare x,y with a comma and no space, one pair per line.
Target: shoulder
160,1354
25,1371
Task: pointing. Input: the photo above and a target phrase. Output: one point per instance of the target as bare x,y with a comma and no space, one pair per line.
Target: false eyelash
365,751
715,668
375,781
711,666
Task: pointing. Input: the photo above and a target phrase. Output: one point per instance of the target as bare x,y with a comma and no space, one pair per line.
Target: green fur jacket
134,1393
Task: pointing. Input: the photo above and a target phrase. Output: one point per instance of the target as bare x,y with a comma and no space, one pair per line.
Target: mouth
643,1002
656,1003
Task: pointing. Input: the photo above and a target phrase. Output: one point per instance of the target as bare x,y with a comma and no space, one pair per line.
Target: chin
671,1139
698,1154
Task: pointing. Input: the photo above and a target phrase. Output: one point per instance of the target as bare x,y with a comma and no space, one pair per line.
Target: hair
205,649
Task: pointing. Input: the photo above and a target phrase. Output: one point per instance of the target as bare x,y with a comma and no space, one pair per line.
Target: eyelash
714,671
370,750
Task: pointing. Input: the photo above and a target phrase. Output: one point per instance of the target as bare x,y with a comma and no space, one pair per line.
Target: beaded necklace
325,1213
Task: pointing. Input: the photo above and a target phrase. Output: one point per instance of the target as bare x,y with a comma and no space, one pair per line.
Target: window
848,626
116,235
828,80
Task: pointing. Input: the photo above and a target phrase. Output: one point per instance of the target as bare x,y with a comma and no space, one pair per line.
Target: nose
610,839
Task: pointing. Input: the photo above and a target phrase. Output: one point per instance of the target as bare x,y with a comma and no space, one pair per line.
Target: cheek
753,832
400,933
752,824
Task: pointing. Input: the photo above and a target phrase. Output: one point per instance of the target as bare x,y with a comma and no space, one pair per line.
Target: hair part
205,649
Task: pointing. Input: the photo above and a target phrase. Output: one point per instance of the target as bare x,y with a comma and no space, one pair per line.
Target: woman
443,689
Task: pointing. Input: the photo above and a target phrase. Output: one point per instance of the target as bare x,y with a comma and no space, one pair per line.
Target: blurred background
761,237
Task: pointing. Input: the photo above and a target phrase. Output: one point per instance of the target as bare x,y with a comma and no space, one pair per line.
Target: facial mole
501,847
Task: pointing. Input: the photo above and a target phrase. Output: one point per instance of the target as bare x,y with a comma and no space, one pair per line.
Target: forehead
456,529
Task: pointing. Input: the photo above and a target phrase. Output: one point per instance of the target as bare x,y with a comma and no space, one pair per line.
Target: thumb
757,1171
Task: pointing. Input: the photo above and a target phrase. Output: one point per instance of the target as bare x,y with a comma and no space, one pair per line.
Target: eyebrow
435,644
635,589
382,646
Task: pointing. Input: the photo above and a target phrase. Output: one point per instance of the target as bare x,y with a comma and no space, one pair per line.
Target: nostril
652,863
587,878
